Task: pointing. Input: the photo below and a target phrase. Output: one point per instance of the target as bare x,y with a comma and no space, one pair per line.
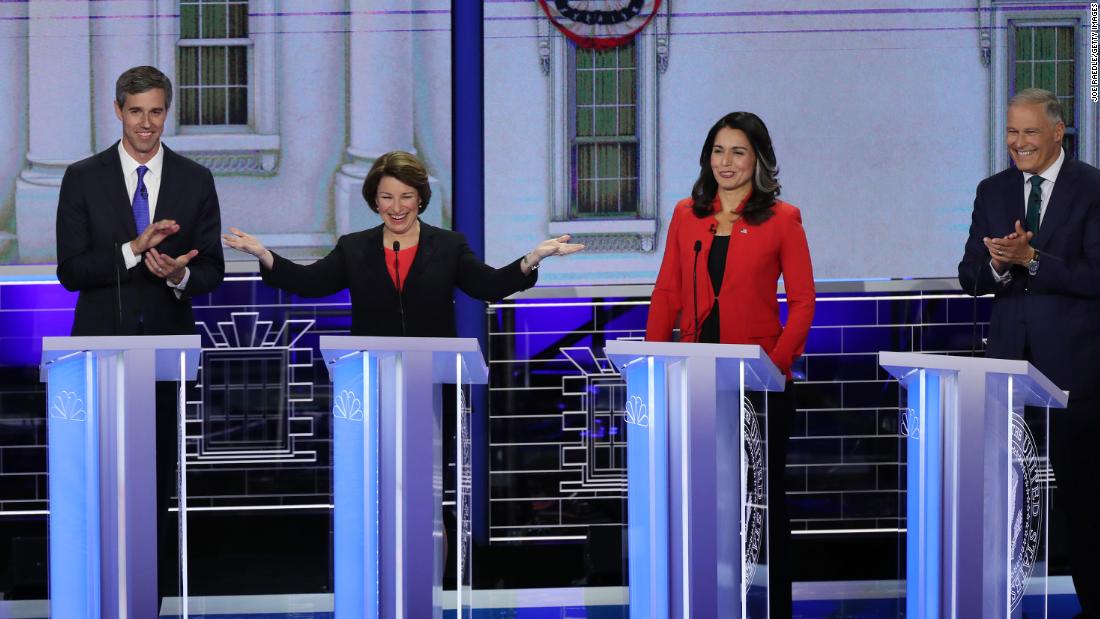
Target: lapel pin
744,230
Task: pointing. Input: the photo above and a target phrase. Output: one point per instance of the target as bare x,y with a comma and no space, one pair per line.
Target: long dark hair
765,181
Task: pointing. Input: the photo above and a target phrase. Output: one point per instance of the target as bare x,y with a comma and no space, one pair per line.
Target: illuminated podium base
102,468
978,485
388,473
696,477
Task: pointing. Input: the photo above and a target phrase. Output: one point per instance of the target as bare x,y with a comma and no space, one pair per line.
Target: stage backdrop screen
884,114
287,103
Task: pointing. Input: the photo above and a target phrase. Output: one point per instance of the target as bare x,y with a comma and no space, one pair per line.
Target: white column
380,101
13,127
59,115
432,86
119,41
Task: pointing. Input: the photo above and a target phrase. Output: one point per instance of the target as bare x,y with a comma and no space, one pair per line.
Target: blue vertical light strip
355,487
914,525
468,192
468,144
647,488
934,486
372,523
91,481
464,582
73,488
924,484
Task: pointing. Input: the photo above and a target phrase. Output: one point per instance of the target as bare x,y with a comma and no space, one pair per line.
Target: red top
749,308
404,259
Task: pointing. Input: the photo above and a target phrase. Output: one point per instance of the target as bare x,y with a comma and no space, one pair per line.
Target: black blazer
1053,318
443,261
94,218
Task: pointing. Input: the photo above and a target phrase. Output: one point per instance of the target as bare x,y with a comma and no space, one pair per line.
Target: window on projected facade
604,150
1044,56
212,63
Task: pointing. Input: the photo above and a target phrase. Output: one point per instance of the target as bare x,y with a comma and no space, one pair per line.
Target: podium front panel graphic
696,422
102,468
978,484
389,545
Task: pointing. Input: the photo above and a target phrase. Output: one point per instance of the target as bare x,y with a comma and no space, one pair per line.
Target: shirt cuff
997,277
180,287
128,256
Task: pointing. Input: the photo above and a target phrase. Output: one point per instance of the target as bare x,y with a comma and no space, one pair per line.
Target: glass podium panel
1029,492
750,411
696,419
463,475
647,435
73,426
103,487
355,481
389,486
978,485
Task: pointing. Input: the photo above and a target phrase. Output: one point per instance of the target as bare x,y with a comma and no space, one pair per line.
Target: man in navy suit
1035,244
137,277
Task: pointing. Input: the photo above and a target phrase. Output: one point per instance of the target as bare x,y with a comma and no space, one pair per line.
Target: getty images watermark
1094,48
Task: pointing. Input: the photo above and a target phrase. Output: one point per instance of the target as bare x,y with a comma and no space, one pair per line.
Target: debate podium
696,477
388,473
102,468
978,484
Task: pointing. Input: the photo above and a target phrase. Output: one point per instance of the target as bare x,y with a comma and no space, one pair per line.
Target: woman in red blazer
733,205
727,246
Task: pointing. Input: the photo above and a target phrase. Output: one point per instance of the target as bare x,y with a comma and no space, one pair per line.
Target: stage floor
834,600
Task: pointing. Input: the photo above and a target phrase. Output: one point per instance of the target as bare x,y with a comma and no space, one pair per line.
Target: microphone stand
397,279
695,287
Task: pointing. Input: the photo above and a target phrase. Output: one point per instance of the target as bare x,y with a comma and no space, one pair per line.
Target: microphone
694,286
397,279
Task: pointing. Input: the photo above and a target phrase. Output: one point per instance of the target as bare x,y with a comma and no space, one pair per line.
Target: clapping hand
1013,248
153,234
167,267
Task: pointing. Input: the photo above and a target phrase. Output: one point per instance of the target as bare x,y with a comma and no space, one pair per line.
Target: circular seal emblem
600,24
1026,503
755,491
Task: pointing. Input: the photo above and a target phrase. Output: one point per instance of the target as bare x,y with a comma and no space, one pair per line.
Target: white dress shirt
1050,176
152,186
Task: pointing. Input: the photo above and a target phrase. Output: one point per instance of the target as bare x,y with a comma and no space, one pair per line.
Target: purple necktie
141,201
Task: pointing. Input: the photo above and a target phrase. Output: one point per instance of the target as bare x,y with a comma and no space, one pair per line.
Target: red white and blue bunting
600,24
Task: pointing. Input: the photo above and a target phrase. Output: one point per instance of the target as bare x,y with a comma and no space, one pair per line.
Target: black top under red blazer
95,217
1052,319
443,262
748,306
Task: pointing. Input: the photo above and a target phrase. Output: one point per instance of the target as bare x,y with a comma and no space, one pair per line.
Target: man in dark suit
1035,244
136,277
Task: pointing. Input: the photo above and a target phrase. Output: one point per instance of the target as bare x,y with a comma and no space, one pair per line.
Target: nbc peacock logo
636,412
347,406
67,405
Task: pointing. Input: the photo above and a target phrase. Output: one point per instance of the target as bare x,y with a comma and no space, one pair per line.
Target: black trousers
1074,435
168,574
780,414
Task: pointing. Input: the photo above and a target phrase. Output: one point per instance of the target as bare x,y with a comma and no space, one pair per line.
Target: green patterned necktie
1034,203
